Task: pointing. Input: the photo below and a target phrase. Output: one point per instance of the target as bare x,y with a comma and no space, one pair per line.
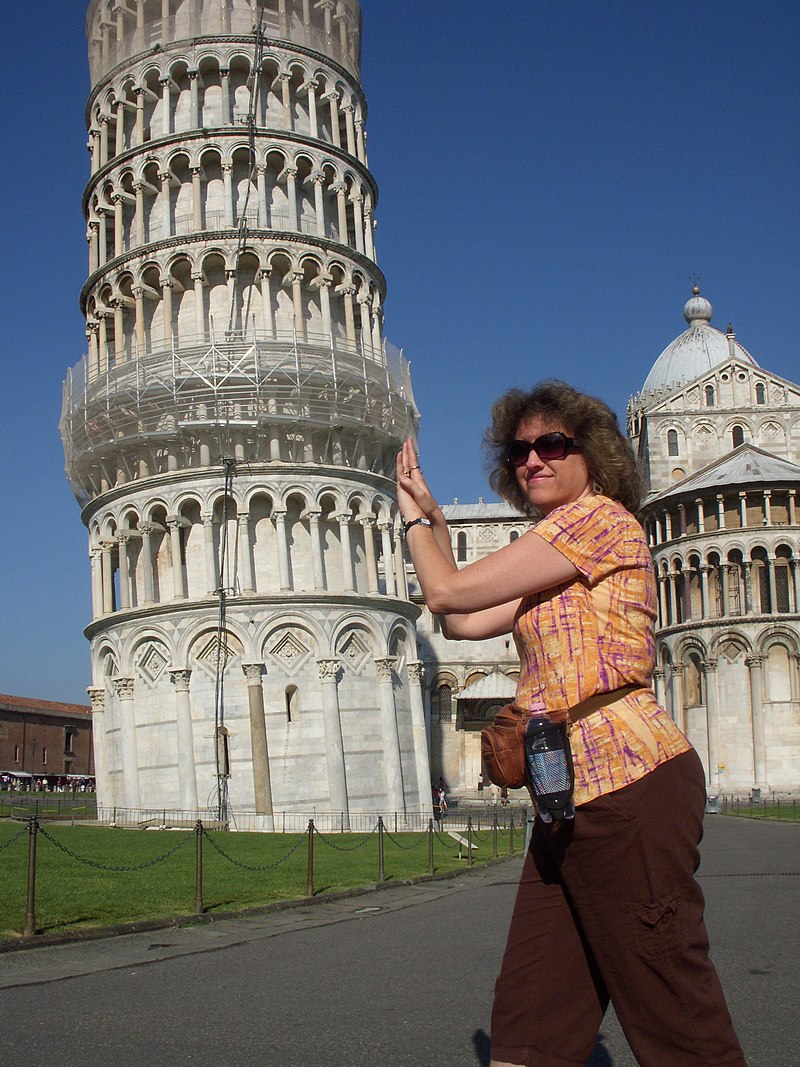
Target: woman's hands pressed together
414,498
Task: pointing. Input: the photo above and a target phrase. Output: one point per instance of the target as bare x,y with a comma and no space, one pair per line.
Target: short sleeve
597,535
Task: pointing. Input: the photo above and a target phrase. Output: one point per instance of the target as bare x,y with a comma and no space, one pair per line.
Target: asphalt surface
397,977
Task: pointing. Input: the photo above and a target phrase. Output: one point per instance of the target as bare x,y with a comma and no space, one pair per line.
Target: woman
608,906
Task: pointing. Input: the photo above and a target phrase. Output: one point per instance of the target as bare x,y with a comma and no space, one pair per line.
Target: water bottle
548,762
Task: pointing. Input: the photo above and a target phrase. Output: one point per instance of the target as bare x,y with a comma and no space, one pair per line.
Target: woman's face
547,484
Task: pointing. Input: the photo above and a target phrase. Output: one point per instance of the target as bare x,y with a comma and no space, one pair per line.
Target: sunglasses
549,446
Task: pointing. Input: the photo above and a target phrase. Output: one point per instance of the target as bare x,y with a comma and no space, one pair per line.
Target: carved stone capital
97,695
124,688
253,672
328,669
384,666
754,662
416,671
180,679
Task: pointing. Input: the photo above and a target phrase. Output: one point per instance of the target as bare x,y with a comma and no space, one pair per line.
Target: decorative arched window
737,436
709,396
444,702
292,702
694,681
461,546
672,442
223,754
761,393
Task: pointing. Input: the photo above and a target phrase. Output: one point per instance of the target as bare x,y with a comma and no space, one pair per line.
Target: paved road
398,977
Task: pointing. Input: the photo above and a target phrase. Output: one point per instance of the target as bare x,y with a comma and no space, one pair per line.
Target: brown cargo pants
608,907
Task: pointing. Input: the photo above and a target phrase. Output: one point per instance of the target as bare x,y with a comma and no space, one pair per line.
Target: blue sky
551,175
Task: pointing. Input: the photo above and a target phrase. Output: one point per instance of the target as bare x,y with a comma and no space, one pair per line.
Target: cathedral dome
696,350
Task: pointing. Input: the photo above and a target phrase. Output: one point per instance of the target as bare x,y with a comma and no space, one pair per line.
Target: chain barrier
346,848
16,837
108,867
407,848
248,866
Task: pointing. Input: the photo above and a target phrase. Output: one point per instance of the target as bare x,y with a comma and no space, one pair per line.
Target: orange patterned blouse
595,634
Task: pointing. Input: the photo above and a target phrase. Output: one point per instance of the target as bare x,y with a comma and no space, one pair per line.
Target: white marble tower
230,433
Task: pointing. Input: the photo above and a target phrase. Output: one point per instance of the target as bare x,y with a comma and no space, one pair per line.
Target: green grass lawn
73,894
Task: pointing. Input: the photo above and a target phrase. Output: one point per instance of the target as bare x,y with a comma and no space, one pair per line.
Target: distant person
608,906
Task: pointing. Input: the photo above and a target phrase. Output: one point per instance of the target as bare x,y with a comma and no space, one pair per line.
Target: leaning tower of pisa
230,433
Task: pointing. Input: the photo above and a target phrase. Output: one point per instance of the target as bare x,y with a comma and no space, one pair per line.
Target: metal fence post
198,868
511,832
430,846
310,880
494,836
30,906
469,840
381,870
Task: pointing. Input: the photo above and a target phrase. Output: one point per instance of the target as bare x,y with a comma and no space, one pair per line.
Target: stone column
769,563
224,80
754,666
334,745
297,304
792,507
96,564
108,577
358,221
197,199
124,576
678,707
349,110
166,213
316,549
418,726
138,189
395,797
262,784
199,306
743,510
386,555
187,773
768,507
117,202
712,726
673,600
348,291
178,585
333,99
400,564
317,180
212,577
701,517
722,578
704,573
124,688
658,686
283,549
347,554
341,209
139,94
310,88
325,282
141,340
147,529
194,99
261,189
286,100
368,523
290,174
97,695
166,102
166,298
227,182
245,557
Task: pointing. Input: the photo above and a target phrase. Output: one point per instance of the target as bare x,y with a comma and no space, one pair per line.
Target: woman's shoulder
592,509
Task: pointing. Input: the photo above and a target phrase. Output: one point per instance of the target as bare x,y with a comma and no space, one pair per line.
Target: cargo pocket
657,927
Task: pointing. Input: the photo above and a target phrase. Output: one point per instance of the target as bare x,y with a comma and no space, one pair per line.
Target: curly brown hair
606,451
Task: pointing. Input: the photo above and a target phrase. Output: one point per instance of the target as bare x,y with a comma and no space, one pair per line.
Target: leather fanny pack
502,743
